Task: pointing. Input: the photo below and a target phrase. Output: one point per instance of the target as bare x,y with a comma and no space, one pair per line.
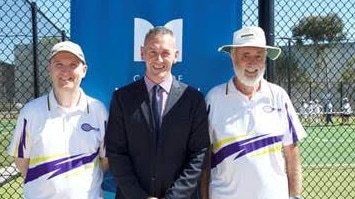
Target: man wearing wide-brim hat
254,128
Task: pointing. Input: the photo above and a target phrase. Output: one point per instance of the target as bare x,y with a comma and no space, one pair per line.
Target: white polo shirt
63,146
247,137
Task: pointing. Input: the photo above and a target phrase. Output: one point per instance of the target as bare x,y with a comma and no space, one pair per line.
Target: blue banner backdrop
111,32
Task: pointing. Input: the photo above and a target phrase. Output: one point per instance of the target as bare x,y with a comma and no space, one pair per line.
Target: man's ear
142,52
85,70
177,53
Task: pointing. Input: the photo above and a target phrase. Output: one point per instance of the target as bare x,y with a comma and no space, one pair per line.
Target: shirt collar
83,104
166,84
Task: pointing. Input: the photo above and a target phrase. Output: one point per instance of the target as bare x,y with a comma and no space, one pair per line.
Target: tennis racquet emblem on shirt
269,109
87,127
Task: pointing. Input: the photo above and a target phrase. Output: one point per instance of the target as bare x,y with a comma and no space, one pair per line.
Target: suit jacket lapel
176,91
145,106
146,113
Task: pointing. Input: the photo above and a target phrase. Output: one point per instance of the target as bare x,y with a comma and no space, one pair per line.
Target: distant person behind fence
58,141
310,111
304,110
346,111
328,110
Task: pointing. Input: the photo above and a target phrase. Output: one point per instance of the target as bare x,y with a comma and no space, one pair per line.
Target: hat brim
272,52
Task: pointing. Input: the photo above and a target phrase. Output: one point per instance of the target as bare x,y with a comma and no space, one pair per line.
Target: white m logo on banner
142,26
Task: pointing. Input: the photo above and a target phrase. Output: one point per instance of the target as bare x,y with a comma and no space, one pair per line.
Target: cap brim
272,52
69,51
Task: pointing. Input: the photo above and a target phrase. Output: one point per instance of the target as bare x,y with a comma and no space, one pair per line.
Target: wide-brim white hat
251,36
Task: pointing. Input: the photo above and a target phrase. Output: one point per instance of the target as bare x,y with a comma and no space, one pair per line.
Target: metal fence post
266,22
34,47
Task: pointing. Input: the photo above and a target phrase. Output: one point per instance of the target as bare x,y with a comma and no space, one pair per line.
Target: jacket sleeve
187,183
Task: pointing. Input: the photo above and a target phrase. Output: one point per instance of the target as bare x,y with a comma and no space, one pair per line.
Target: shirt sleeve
295,130
19,144
104,117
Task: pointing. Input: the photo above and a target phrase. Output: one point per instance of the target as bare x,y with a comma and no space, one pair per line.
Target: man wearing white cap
58,142
254,128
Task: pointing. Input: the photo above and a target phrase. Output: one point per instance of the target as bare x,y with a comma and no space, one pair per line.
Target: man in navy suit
164,159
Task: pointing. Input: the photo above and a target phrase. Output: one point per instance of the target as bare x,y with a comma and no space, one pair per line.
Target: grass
12,190
328,161
329,145
329,182
6,129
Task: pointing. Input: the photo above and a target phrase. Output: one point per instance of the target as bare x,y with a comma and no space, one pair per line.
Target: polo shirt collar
83,104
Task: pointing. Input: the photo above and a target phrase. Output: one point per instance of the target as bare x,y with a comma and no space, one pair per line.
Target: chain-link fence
317,69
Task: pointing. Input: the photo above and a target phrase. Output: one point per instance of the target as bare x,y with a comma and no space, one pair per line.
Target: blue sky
287,14
16,27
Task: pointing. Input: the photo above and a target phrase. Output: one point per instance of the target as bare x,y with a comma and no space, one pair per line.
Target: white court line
331,140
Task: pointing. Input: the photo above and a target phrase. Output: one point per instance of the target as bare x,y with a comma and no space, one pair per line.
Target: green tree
319,29
348,74
48,42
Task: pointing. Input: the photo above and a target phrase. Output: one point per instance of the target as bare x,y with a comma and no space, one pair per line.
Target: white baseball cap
251,36
68,46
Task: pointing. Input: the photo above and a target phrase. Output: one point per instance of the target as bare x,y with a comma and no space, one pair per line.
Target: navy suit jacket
170,167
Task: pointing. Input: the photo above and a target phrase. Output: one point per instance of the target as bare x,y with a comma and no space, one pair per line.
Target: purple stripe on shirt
22,144
243,147
59,166
291,126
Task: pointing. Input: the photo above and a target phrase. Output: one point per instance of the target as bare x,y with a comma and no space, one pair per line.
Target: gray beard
249,82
